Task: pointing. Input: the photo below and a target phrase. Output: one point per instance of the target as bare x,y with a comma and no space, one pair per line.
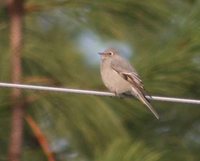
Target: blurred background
55,43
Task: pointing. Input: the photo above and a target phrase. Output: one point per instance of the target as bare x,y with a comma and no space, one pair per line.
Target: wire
91,92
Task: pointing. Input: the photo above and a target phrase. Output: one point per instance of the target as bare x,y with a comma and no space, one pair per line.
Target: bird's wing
126,71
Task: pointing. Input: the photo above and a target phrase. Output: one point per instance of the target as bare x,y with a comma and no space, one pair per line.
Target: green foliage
164,37
128,150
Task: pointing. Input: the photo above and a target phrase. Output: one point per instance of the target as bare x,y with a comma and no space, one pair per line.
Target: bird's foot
120,95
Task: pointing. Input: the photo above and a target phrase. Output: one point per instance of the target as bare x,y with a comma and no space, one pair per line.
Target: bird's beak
101,53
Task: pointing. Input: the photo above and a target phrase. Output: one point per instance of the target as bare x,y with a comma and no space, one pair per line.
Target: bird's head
108,53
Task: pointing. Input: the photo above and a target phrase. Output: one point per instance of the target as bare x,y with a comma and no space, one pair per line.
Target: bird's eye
110,53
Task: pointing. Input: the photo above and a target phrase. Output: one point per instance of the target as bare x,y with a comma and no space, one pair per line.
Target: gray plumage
120,77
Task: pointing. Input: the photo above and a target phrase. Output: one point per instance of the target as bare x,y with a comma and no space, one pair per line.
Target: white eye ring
110,53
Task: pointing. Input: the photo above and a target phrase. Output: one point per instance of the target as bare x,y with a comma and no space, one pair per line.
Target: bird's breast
112,80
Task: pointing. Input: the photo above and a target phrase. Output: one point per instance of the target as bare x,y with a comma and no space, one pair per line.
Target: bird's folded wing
128,73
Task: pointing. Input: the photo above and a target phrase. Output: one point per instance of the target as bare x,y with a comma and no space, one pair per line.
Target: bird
121,78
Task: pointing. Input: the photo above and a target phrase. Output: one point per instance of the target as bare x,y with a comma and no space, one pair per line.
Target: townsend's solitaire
121,78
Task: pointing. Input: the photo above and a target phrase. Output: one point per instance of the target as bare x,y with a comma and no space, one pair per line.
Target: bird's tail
144,100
